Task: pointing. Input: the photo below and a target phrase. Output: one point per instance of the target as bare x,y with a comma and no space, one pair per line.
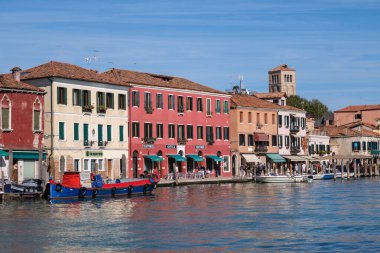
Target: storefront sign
199,146
171,146
148,146
94,153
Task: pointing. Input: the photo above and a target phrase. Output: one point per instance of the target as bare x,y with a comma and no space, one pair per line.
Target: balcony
102,109
294,150
87,143
294,129
102,143
259,126
261,149
181,109
210,141
87,108
148,140
181,141
209,113
149,109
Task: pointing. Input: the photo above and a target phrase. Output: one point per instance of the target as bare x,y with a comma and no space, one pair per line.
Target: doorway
135,163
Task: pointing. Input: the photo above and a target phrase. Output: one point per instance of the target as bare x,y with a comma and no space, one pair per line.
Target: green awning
178,158
196,158
4,153
28,155
276,158
375,152
215,158
154,158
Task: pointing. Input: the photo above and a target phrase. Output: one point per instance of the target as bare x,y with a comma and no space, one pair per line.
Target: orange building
369,114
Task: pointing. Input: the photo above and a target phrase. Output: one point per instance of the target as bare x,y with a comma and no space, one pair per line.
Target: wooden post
348,170
342,169
355,171
2,181
370,169
254,173
376,170
334,169
365,169
10,164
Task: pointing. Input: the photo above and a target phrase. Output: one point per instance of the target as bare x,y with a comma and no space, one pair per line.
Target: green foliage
313,107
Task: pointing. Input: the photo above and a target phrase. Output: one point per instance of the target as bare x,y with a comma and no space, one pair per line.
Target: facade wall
370,116
343,145
318,143
282,84
165,146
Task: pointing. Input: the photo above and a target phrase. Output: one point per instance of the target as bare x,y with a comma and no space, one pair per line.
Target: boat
26,186
278,178
323,176
84,185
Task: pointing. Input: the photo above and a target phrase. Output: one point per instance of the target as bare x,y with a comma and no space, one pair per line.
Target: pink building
369,114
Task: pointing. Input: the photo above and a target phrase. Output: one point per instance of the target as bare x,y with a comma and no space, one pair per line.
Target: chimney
16,74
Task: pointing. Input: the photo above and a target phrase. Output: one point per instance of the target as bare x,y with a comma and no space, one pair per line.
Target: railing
87,108
102,143
259,126
102,109
295,150
181,141
148,140
261,149
209,113
181,109
149,109
87,143
210,142
294,128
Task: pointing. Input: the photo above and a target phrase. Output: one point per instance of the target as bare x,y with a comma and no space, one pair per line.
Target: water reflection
323,216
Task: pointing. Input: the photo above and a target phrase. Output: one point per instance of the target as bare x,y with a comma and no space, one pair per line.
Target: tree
313,107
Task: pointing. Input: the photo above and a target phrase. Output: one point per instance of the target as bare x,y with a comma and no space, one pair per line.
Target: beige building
253,130
282,79
86,119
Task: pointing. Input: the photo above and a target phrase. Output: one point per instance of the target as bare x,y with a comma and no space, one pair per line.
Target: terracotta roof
282,67
292,108
141,78
270,95
342,131
7,82
359,123
355,108
252,101
68,71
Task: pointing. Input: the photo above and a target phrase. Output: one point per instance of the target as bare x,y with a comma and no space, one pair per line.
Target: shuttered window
100,133
61,130
61,95
109,133
121,133
76,131
36,120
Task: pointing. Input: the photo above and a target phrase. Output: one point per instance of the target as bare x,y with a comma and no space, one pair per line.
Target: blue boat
323,176
76,185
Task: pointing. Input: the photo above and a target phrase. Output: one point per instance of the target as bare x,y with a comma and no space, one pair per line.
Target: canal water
324,216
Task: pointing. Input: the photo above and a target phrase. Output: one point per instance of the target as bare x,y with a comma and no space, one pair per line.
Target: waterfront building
282,79
368,114
175,124
253,130
22,124
86,119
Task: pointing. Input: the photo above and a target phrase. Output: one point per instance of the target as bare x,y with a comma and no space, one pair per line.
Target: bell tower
282,79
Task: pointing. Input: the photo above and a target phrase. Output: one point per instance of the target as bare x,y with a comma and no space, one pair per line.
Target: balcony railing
209,113
210,141
149,109
295,150
148,140
259,126
102,143
102,109
261,149
181,109
294,128
181,141
87,108
87,143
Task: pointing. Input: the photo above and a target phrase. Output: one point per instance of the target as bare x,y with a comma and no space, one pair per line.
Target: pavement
212,180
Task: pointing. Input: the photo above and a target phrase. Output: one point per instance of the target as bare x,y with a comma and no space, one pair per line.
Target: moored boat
323,176
82,185
277,178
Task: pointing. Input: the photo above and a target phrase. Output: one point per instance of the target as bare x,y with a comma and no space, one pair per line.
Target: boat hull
280,179
326,176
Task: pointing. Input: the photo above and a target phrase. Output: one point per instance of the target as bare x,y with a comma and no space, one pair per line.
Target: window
250,140
100,134
218,133
121,133
208,106
287,141
100,102
358,116
265,118
62,164
85,134
241,117
135,98
226,131
180,104
61,132
249,117
209,133
273,119
109,133
356,146
148,130
241,139
190,132
76,131
200,132
171,102
280,141
147,100
135,129
181,132
217,106
226,107
110,100
159,101
160,130
61,96
189,104
199,105
274,140
122,103
287,121
258,118
171,130
226,164
85,165
86,98
76,97
37,115
279,120
100,165
77,165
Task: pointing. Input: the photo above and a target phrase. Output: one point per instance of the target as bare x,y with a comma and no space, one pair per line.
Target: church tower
282,79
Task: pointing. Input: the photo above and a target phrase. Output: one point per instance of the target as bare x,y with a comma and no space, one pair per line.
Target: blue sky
333,44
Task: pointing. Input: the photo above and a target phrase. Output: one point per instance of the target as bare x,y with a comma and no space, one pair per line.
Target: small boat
82,185
323,176
277,178
26,186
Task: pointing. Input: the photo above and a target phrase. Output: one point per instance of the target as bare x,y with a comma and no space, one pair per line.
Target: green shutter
109,133
121,133
80,97
61,130
100,133
65,96
76,131
5,118
85,132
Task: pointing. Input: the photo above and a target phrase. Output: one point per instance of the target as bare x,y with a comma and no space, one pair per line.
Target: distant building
282,79
368,114
274,97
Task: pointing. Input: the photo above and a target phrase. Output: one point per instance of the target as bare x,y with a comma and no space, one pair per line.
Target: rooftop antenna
240,82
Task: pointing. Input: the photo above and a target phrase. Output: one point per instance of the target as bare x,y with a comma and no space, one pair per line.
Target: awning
4,153
251,158
295,158
28,155
215,158
196,158
276,158
178,158
260,137
311,159
375,152
154,158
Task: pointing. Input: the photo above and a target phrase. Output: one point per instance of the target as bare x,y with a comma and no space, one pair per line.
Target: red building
175,124
21,122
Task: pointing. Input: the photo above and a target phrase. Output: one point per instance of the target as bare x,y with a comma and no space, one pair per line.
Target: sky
333,44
